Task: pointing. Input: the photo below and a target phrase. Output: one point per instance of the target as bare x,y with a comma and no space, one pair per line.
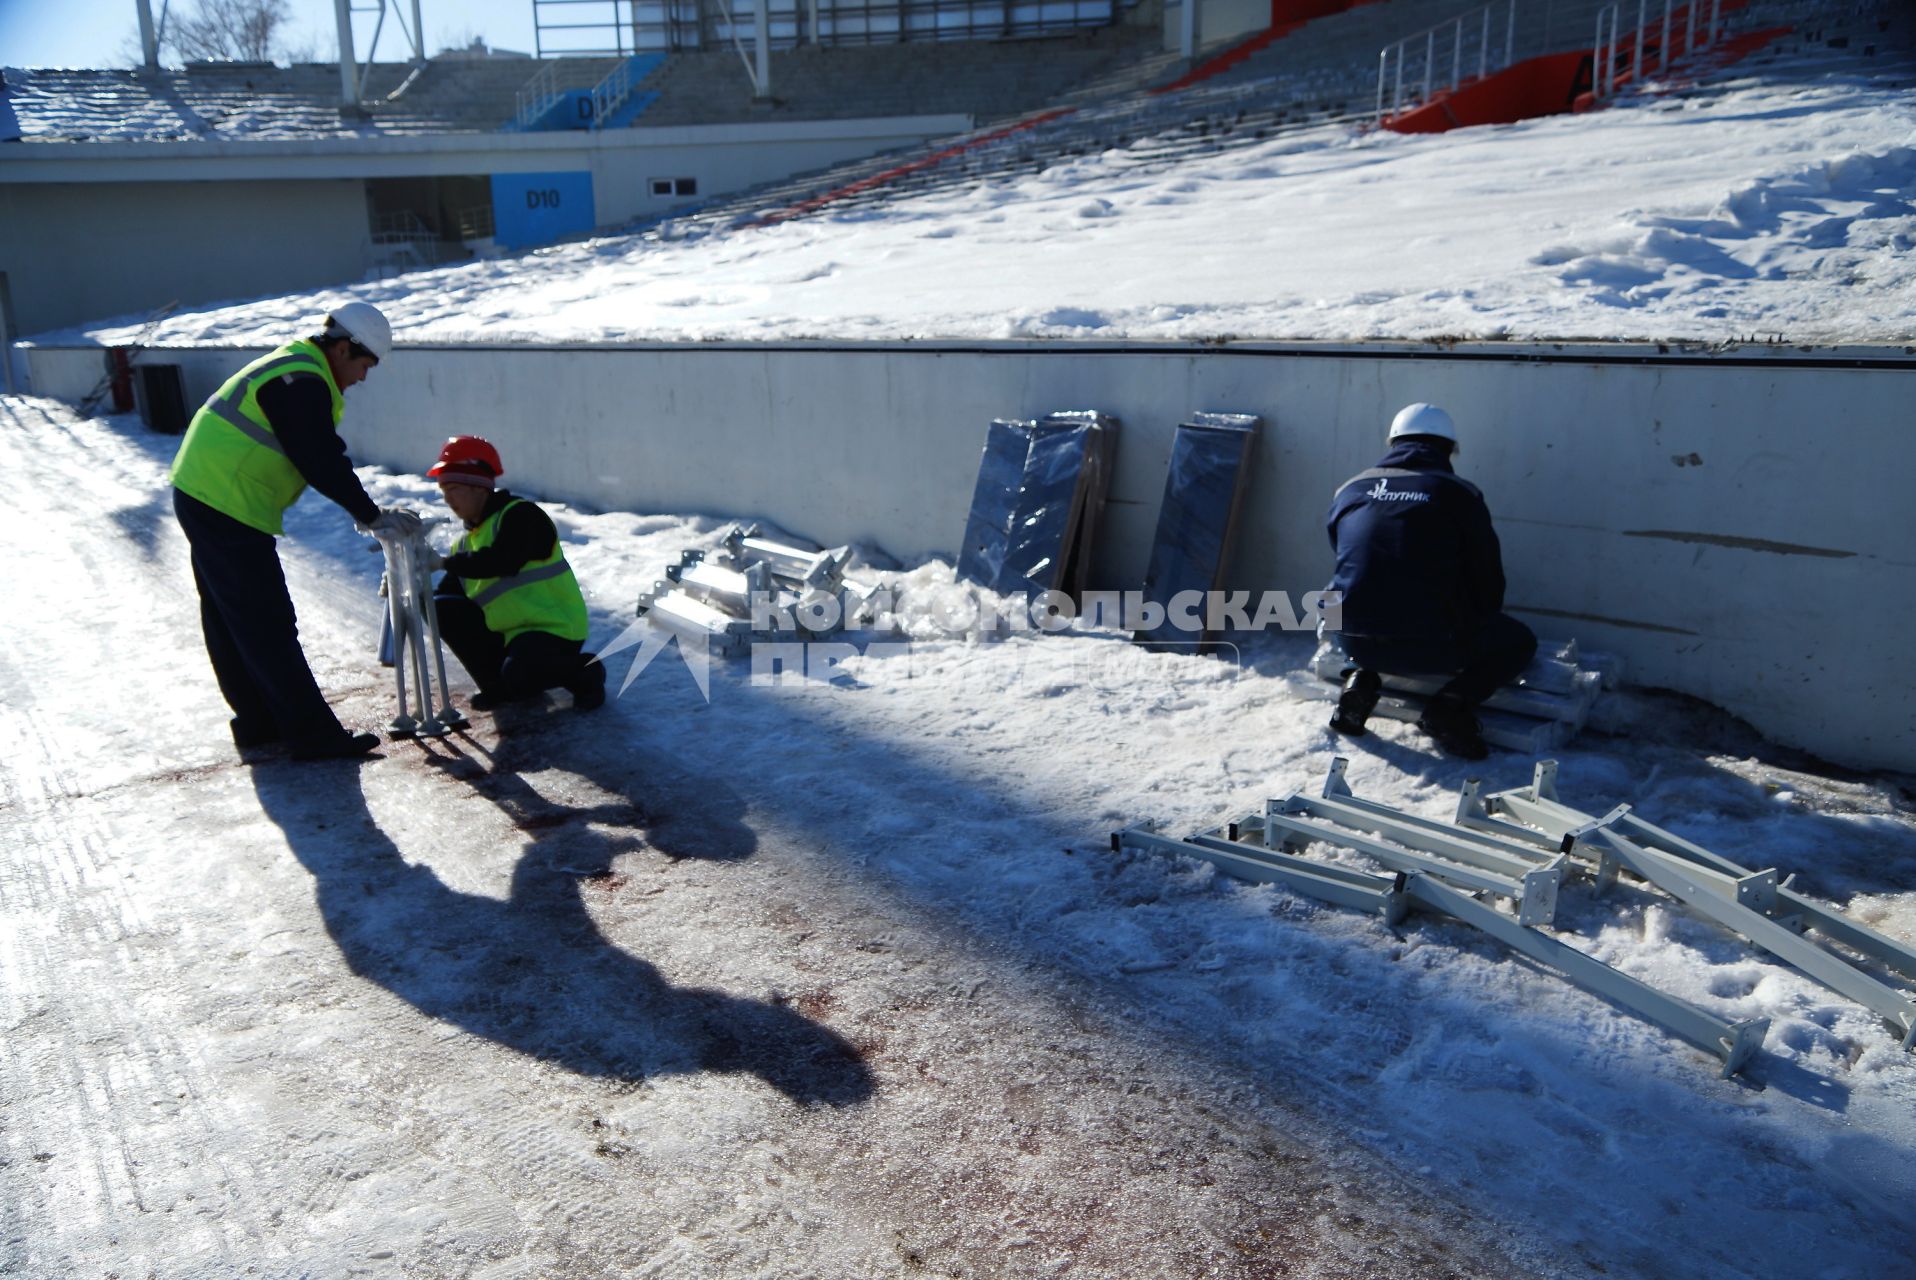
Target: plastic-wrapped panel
994,502
1031,526
1203,494
1099,457
1048,509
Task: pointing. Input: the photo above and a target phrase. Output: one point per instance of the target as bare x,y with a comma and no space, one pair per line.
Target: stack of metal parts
1204,492
412,635
746,590
1541,710
1441,868
1519,847
1034,514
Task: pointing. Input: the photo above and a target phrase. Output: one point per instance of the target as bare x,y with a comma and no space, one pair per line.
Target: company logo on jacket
1384,493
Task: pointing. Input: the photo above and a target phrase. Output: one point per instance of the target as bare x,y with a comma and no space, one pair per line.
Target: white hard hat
1424,420
364,324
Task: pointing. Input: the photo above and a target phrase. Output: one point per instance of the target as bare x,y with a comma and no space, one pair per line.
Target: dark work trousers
251,633
1478,667
535,662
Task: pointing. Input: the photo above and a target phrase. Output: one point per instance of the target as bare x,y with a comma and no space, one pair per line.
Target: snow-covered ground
844,981
1746,208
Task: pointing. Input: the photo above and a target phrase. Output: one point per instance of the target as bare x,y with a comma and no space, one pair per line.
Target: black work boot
250,735
1454,725
1358,700
588,687
344,746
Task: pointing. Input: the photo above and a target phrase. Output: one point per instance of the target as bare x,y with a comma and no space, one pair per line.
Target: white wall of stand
1732,523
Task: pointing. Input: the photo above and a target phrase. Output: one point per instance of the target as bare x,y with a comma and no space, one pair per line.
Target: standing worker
267,433
1423,582
509,605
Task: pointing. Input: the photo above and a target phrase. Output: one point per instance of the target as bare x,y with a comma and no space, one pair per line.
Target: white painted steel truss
1756,905
1443,869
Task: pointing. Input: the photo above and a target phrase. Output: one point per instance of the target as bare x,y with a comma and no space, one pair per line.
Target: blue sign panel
538,208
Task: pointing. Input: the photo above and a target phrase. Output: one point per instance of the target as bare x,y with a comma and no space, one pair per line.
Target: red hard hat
468,460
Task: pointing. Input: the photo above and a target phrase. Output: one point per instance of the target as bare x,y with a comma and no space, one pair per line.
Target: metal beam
1537,805
1681,881
149,37
1752,903
820,569
1533,890
1734,1042
1491,852
1473,813
348,60
1340,886
1392,896
762,37
731,590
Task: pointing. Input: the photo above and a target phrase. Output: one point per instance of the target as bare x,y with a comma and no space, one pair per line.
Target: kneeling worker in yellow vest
269,432
509,606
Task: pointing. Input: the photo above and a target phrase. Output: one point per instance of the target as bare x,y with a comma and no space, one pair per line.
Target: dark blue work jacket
1416,556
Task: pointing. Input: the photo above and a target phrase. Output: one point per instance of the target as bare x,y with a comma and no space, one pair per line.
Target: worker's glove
394,522
433,562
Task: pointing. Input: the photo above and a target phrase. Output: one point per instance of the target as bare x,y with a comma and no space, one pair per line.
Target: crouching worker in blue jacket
509,606
1423,581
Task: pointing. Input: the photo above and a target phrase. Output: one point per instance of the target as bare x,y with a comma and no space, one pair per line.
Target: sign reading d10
538,208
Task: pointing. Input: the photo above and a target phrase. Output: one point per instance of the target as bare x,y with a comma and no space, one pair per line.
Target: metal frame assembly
1520,846
1471,860
722,597
1753,904
414,628
1441,869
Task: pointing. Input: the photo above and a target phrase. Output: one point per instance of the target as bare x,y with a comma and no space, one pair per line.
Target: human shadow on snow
534,972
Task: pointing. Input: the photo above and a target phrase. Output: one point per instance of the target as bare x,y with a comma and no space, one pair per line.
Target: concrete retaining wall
1732,524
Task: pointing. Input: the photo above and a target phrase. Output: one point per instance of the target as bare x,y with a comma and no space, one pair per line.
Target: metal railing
1436,59
474,223
537,95
610,93
1469,47
1603,53
401,243
1648,52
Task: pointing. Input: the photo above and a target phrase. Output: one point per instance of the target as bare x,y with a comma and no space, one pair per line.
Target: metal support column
348,60
762,37
1636,62
149,38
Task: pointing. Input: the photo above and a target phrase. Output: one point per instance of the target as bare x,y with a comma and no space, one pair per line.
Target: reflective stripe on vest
522,578
231,408
542,596
230,458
